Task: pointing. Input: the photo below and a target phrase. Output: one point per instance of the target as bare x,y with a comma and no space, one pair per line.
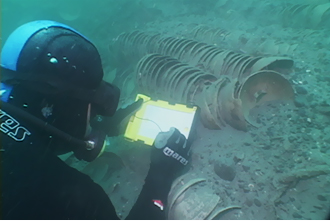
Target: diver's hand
170,152
169,156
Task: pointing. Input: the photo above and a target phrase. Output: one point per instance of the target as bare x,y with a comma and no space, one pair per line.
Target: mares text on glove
171,153
174,145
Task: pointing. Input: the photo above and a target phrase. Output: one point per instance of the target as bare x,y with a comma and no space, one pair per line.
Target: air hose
47,127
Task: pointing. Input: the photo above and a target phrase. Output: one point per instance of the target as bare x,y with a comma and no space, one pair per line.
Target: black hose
44,125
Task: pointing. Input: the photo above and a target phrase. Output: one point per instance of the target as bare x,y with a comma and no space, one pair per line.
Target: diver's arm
163,170
157,187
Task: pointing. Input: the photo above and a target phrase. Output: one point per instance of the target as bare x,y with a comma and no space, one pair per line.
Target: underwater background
258,69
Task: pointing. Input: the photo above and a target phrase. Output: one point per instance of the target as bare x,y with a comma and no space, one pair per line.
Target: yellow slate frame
148,121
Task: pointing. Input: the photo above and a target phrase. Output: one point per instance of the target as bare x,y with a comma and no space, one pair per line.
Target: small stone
246,189
306,138
325,110
279,169
278,202
318,207
270,133
301,112
259,121
296,215
298,160
261,185
246,168
266,147
291,139
225,172
314,147
325,149
321,198
238,157
248,203
257,202
277,154
300,101
301,90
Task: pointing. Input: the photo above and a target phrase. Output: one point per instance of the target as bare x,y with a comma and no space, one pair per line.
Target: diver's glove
169,157
170,152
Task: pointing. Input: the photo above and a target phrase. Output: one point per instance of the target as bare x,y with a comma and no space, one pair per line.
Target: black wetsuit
36,184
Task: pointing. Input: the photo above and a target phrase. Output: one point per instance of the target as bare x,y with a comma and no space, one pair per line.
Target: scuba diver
51,89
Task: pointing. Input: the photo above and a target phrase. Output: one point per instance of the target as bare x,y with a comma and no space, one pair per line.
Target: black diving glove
169,157
170,153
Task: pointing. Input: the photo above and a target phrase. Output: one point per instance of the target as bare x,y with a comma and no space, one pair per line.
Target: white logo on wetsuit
169,152
12,128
